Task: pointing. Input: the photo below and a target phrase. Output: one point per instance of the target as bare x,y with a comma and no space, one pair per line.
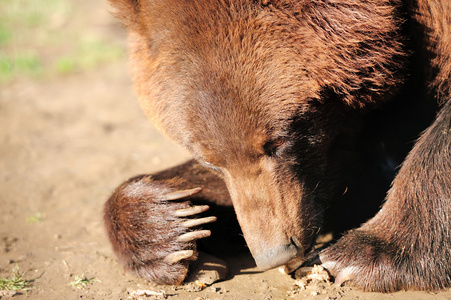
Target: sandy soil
65,144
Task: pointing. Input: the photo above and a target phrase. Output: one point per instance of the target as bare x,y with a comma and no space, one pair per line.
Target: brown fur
434,21
143,230
406,245
134,239
270,95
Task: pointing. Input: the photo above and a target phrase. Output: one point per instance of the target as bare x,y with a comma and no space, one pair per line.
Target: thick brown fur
134,239
406,245
143,229
272,95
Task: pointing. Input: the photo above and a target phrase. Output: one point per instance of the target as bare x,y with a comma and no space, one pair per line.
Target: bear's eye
272,146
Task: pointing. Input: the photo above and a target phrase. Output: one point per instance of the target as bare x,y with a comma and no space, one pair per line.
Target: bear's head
263,94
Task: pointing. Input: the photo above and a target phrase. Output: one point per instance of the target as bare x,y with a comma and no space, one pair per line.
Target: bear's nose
276,256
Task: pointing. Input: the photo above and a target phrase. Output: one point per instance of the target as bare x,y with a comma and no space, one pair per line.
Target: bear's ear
128,11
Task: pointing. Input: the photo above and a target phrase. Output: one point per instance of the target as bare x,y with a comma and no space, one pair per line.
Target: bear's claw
300,262
181,194
197,222
344,275
157,217
341,276
194,210
293,265
175,257
193,235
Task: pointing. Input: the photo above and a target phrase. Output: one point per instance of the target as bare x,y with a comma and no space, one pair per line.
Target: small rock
208,269
215,289
7,293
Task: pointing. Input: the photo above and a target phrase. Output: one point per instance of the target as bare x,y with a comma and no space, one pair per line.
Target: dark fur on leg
406,245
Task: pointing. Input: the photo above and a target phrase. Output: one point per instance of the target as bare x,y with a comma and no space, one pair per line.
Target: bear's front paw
152,230
366,262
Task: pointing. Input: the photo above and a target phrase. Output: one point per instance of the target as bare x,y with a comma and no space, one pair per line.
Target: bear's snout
277,256
270,216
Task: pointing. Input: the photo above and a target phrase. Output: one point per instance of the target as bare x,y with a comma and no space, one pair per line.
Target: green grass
15,282
82,281
22,63
90,52
34,218
43,39
5,34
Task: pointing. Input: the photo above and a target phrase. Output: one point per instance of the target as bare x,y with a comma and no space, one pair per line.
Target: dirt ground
65,144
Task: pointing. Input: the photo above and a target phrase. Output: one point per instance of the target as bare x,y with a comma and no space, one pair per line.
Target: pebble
208,269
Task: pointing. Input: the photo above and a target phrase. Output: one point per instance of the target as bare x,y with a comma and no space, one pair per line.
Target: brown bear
292,105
